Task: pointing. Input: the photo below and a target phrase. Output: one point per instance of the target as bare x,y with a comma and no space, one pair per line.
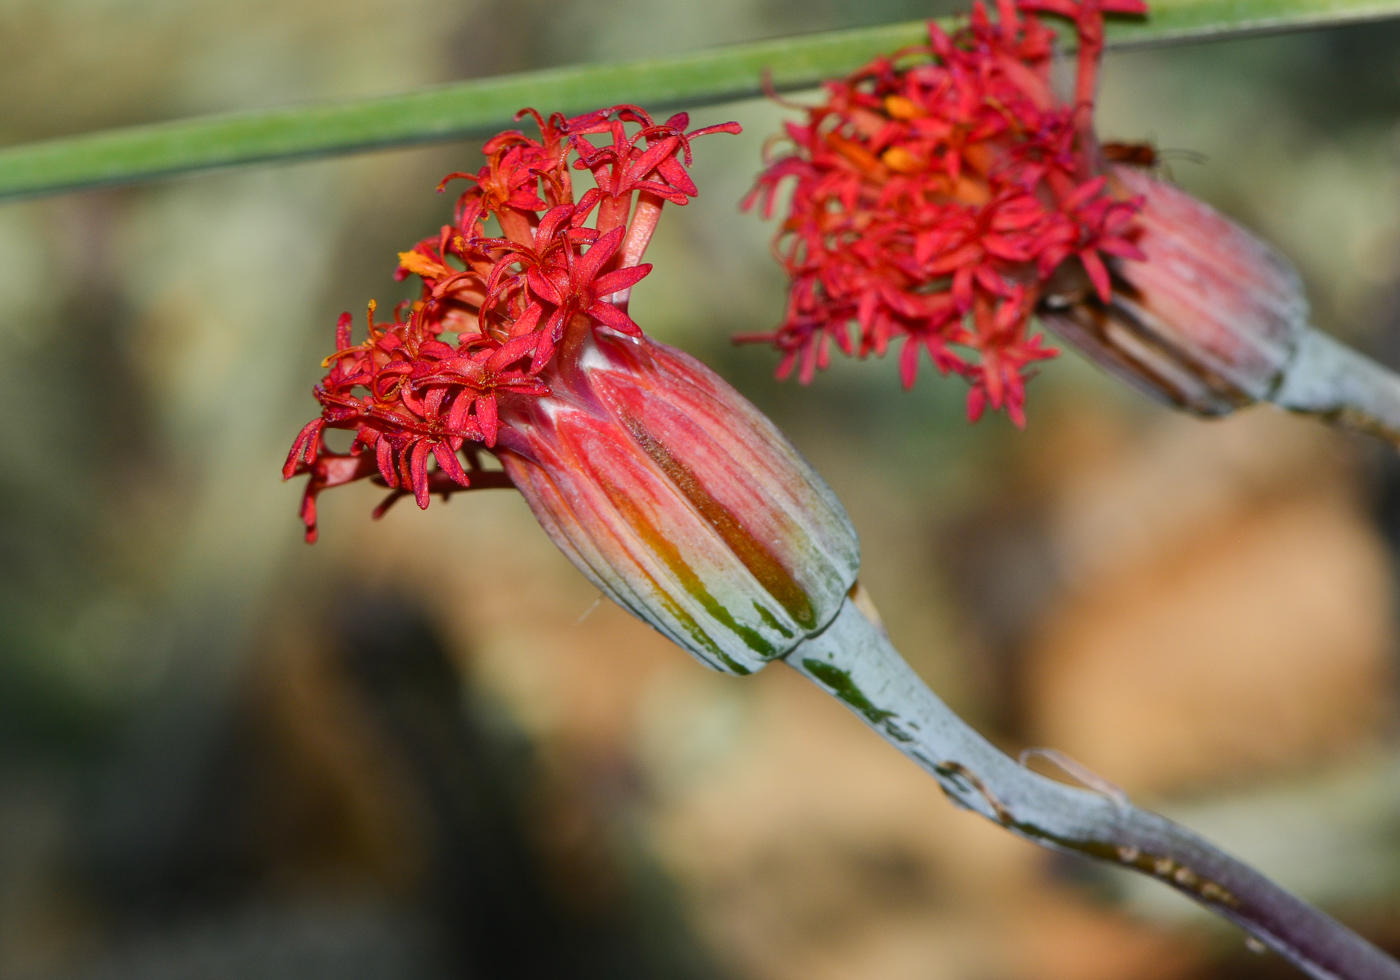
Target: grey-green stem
854,661
1331,380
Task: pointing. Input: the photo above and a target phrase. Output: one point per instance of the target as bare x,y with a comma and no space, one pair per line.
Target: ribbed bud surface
682,502
1208,321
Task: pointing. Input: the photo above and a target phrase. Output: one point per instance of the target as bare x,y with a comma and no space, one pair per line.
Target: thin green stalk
466,109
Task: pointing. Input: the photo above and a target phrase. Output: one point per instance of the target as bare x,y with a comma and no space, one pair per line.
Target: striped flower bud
1207,320
681,501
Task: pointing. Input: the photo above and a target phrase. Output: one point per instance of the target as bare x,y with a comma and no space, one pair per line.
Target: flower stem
854,661
486,105
1328,379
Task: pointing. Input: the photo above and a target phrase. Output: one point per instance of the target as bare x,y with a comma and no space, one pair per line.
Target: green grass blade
478,107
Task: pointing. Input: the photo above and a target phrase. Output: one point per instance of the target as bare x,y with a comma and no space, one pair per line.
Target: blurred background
423,748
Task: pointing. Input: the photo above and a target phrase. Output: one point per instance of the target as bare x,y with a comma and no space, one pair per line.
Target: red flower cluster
411,390
935,193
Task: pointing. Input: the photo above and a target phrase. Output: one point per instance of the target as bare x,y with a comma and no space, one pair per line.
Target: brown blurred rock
1226,608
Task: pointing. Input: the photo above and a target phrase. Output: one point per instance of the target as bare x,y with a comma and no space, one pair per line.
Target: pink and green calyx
935,193
662,484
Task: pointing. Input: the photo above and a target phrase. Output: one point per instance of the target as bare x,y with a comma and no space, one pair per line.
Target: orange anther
901,108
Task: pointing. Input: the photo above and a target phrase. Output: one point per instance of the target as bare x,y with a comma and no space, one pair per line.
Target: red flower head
660,482
936,191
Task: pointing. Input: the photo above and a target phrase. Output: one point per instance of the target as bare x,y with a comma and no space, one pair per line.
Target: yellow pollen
901,108
854,152
900,160
971,191
370,316
420,265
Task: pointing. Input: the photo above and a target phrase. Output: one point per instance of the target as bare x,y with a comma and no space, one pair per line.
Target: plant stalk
1341,385
854,661
483,106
